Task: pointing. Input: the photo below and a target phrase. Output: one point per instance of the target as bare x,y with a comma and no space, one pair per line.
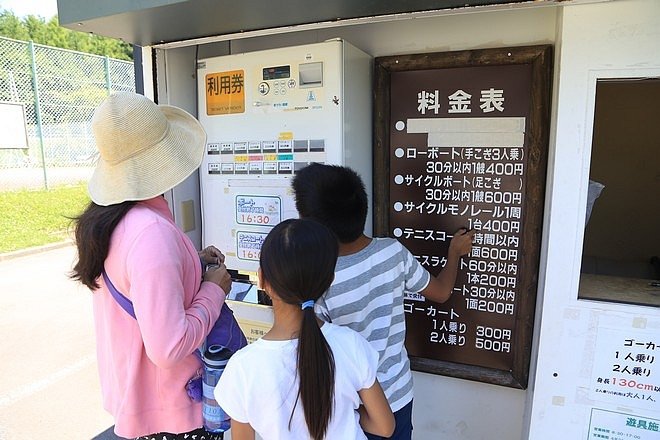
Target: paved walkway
49,387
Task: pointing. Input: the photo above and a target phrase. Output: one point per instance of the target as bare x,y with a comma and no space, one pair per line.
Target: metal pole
108,84
37,110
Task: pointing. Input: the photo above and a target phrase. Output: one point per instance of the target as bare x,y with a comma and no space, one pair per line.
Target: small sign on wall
626,368
12,125
612,425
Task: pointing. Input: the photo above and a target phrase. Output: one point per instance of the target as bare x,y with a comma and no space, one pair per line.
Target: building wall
577,339
445,408
608,38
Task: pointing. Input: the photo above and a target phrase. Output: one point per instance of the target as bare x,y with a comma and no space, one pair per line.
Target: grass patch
35,218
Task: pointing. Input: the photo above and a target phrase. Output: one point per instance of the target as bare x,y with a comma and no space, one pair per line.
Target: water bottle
215,359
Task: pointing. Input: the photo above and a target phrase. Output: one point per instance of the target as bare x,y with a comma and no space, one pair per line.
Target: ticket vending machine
267,115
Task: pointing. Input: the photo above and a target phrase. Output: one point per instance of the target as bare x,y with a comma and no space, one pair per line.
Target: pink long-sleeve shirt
145,363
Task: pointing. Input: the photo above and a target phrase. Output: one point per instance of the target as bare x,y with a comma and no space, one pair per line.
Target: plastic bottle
215,359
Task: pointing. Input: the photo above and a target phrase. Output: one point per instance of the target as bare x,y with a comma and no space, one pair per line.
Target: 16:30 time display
249,254
254,219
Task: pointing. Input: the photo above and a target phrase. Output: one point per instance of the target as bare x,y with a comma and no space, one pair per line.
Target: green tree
50,33
12,27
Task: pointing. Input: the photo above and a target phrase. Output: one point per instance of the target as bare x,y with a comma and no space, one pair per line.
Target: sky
44,8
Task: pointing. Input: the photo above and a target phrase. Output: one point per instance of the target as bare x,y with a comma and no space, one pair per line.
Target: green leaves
50,33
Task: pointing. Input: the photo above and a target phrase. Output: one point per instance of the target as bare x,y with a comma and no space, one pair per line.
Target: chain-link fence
59,90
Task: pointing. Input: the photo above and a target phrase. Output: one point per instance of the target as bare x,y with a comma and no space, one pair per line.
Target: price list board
461,140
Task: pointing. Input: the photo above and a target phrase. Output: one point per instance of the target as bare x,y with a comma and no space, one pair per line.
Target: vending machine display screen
277,72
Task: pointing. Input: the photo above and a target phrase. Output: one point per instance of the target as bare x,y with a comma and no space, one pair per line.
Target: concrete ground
49,387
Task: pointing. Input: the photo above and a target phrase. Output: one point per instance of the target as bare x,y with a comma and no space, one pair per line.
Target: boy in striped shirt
371,277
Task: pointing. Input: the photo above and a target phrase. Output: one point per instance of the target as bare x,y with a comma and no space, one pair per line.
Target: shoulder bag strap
123,302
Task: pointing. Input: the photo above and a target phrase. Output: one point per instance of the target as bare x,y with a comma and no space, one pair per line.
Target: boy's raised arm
440,287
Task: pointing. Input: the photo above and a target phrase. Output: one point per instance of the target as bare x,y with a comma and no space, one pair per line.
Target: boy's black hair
333,195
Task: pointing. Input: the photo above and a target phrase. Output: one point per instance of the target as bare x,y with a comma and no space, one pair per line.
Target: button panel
257,158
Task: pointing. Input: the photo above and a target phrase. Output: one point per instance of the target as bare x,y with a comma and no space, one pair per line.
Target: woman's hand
211,255
219,275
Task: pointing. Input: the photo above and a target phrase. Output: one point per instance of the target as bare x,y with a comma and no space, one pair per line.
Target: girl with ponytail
304,379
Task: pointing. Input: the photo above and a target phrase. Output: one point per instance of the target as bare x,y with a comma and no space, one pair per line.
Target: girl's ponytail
316,372
297,262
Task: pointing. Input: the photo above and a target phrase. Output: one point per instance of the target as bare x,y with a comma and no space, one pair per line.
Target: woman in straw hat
128,235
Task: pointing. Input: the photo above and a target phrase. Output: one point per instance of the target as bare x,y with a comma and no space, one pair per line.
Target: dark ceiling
148,22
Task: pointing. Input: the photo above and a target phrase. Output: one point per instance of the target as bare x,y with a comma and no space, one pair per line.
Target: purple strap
124,302
194,386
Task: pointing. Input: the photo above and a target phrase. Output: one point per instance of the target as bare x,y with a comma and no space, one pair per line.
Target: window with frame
621,252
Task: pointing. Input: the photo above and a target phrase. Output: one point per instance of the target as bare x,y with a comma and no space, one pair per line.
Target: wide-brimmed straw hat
145,149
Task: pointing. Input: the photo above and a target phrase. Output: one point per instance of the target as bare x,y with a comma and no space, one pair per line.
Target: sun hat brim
155,170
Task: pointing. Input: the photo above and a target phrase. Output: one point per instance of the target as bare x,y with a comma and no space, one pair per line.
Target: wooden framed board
461,140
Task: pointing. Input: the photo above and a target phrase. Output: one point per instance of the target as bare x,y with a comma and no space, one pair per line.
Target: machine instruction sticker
225,92
253,330
248,244
258,210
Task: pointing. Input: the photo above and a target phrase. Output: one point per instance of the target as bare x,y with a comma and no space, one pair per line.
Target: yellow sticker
225,92
285,136
253,330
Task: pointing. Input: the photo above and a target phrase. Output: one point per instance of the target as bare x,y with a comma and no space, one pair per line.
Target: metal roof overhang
153,22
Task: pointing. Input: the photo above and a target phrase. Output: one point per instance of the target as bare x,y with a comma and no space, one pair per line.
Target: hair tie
307,304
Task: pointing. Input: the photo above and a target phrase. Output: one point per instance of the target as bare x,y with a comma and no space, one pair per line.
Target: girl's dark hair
93,229
298,260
